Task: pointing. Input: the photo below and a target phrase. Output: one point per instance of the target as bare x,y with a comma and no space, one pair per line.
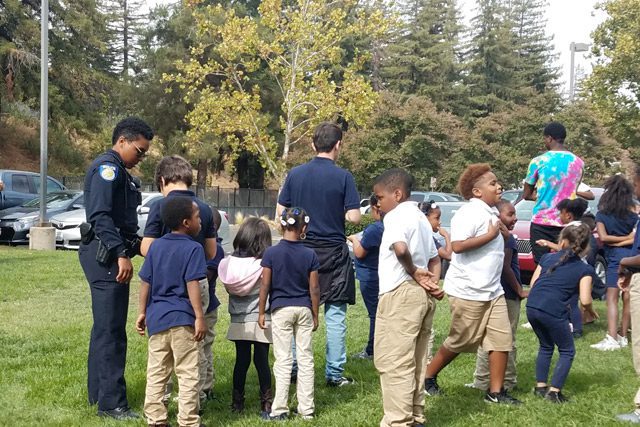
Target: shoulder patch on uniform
108,172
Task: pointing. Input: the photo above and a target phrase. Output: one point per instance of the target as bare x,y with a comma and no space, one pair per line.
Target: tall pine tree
423,58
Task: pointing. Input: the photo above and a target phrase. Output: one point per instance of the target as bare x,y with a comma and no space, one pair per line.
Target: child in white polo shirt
408,269
478,309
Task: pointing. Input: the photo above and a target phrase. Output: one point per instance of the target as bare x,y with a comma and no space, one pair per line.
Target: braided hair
294,219
428,207
578,235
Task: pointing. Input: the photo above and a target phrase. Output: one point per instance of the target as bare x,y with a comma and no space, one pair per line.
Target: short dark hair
555,130
253,238
470,177
502,203
176,210
173,169
394,179
131,129
326,136
575,207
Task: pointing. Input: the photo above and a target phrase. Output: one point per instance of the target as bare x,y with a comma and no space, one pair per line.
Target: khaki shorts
479,323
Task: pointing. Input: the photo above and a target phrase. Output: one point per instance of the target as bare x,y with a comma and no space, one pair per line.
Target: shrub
350,228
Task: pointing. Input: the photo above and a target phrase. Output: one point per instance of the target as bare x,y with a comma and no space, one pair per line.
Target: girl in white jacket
241,275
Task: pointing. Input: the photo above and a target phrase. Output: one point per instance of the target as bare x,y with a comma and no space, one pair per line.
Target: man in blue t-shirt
171,310
329,195
173,177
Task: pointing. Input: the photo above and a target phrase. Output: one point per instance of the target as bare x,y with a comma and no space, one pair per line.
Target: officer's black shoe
120,414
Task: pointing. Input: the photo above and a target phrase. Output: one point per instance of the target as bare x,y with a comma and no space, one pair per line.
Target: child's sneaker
431,387
540,391
623,341
342,381
280,417
363,355
631,417
526,326
501,398
607,344
556,397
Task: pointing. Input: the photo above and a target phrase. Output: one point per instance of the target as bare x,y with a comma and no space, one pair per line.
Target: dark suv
21,186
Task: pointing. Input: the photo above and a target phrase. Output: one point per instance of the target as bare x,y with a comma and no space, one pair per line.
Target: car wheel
600,266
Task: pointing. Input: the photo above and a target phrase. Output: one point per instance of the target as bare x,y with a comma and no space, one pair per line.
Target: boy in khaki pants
409,268
629,281
171,310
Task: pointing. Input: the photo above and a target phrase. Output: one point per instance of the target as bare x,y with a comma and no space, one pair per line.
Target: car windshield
417,197
524,210
54,201
510,196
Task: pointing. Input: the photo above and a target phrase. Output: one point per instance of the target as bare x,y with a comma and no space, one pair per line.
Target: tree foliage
293,49
614,85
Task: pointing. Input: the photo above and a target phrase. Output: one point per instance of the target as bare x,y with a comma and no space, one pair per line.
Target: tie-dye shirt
556,176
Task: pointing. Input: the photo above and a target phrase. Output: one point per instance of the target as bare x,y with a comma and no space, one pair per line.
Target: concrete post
42,238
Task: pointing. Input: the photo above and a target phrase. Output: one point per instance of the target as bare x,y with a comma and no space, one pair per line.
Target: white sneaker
526,326
623,341
607,344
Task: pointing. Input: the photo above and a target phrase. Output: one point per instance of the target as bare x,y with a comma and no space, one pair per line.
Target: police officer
109,240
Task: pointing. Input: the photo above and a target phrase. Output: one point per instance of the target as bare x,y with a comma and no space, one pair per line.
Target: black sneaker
501,398
540,391
119,414
342,381
431,387
556,397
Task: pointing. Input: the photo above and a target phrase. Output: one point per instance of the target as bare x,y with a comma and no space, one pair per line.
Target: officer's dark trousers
108,344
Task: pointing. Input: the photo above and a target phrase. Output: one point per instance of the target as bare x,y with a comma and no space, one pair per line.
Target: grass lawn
44,334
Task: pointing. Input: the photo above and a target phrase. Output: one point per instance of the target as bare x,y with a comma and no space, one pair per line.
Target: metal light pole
574,47
43,237
44,105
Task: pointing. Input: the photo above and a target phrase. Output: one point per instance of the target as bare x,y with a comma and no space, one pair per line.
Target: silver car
68,224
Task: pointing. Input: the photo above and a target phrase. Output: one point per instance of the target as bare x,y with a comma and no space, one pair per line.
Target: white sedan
67,225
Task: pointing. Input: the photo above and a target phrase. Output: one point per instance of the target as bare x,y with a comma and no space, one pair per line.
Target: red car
521,232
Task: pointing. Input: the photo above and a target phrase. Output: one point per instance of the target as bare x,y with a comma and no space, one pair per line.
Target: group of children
274,297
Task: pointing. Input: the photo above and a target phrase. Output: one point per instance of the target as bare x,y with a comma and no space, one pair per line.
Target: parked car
524,212
513,196
21,187
364,206
68,224
425,196
16,222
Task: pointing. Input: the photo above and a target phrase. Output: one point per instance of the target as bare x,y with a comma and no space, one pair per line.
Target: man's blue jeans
335,317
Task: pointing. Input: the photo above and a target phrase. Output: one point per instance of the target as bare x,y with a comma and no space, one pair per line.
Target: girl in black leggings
241,274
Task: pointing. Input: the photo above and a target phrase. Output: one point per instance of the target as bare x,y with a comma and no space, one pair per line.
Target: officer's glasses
140,153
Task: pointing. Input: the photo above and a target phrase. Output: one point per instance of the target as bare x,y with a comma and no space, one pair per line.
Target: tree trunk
201,184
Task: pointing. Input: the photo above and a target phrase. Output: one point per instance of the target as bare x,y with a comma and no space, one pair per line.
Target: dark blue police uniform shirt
511,245
111,199
290,264
155,228
367,267
172,261
326,192
552,292
212,265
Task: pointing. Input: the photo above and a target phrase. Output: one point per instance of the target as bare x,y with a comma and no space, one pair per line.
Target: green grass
44,330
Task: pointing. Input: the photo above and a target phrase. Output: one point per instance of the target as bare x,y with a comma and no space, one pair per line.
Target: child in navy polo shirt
171,310
557,278
290,280
616,220
366,250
